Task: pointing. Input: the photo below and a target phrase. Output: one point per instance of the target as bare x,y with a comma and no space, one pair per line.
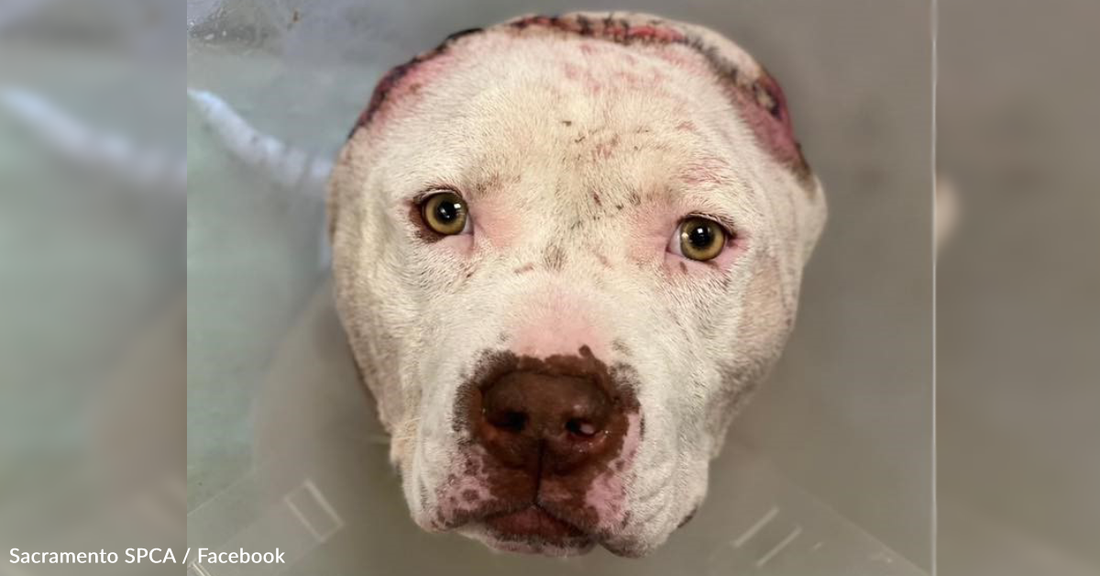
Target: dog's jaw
578,143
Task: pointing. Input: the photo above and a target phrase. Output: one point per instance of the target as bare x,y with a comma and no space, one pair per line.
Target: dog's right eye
445,213
699,239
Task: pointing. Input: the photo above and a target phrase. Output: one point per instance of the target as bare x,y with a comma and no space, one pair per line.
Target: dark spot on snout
554,257
422,492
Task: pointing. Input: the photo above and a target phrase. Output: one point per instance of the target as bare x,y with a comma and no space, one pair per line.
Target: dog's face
565,251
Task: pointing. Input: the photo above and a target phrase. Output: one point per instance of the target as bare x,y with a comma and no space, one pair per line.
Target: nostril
581,427
509,420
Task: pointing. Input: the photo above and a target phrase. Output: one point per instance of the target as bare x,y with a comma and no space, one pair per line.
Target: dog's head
566,250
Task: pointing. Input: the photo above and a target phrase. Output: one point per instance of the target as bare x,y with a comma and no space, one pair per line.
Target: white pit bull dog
565,250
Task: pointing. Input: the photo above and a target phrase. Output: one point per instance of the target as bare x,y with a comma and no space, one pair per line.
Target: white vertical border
934,515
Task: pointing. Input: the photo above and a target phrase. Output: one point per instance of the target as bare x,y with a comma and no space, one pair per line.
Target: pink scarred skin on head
760,99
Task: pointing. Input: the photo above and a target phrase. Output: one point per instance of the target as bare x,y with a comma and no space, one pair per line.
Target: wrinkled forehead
645,104
541,109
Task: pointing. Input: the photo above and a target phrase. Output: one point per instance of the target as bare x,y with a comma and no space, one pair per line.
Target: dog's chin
530,531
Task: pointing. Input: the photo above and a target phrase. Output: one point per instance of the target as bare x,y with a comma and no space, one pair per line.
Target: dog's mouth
533,529
533,523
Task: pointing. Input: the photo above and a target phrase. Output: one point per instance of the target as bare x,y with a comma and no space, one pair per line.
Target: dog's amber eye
700,239
445,213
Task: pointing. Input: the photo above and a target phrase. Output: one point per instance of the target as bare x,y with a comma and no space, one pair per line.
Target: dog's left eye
698,238
445,213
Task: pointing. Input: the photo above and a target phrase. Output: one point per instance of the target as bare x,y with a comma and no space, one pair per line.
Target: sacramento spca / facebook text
149,555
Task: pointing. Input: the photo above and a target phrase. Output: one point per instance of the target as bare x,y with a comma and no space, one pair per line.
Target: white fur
500,118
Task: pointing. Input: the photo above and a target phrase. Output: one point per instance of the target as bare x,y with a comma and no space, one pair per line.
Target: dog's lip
534,523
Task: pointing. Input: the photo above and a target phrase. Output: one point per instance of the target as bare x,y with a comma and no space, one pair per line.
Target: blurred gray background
1018,288
92,279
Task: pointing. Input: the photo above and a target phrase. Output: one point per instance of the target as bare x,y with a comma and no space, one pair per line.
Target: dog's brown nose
547,423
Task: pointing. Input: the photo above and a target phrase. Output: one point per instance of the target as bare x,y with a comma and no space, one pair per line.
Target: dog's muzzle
550,433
